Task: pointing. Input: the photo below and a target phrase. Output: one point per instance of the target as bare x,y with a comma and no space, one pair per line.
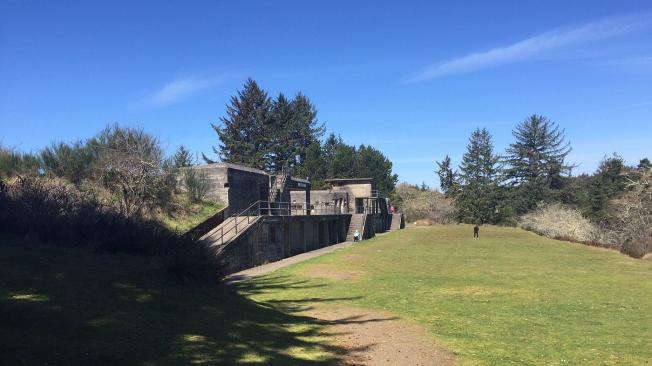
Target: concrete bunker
269,217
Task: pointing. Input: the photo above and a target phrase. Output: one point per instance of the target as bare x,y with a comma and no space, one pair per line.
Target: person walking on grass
476,232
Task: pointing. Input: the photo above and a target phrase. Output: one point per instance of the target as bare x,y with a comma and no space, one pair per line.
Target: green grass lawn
71,307
510,298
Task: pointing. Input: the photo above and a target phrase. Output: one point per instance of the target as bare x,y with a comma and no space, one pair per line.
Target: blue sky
410,78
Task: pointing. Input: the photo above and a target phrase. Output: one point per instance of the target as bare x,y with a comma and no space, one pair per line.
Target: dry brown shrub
417,204
633,222
562,222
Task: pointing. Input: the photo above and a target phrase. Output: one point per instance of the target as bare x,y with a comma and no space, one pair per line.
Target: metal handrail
260,208
370,205
235,226
257,208
302,208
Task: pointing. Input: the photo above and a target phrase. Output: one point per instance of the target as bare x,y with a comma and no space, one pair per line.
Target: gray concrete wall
216,175
233,185
245,188
273,238
323,201
376,223
398,221
319,196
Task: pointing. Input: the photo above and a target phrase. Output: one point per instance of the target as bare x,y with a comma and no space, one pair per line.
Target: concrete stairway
227,230
357,222
280,187
396,221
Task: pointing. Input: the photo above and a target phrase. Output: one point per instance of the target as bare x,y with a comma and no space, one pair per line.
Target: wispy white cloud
536,46
179,89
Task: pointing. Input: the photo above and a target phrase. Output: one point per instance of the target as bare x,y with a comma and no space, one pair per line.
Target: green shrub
196,184
13,163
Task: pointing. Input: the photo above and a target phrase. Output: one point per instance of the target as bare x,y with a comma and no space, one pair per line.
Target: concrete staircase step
357,223
226,231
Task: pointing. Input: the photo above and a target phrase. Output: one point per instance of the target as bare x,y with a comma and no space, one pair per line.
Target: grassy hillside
70,307
186,215
511,297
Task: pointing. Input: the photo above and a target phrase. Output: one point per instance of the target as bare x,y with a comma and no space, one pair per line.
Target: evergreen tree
245,129
446,176
344,163
608,181
264,133
644,164
294,128
330,146
281,150
314,166
536,161
303,128
477,201
373,164
182,158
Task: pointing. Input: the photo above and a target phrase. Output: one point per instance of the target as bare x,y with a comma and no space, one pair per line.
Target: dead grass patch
330,273
371,337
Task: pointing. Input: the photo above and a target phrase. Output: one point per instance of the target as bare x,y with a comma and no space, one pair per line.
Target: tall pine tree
373,164
608,181
478,197
536,162
264,133
244,131
303,128
281,150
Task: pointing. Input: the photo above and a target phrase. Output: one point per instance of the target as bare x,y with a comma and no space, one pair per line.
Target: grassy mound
185,215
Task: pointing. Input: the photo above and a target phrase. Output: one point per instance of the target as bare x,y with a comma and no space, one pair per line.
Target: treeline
492,188
336,159
271,134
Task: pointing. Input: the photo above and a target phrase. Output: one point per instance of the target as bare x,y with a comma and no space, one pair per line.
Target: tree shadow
63,307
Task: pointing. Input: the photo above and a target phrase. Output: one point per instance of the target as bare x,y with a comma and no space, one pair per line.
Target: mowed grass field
511,297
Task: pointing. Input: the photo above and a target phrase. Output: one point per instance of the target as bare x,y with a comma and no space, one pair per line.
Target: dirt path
366,337
375,338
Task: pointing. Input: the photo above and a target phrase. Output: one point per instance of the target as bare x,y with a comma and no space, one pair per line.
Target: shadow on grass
61,306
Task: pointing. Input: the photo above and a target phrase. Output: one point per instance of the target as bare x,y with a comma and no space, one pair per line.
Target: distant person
356,235
392,209
476,232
